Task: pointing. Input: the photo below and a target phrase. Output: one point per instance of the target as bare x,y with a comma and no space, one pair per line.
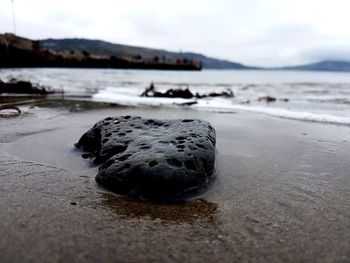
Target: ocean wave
128,97
278,112
310,96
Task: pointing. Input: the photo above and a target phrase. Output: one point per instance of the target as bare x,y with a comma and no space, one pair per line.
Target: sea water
305,95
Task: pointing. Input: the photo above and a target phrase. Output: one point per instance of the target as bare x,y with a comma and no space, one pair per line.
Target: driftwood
183,93
267,99
15,86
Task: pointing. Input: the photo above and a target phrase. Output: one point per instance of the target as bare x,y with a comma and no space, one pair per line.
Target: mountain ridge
101,47
325,65
17,51
81,52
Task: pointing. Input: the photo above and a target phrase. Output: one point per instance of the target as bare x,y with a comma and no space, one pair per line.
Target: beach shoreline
281,194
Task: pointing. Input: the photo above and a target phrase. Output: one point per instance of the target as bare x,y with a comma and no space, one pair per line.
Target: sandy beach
281,193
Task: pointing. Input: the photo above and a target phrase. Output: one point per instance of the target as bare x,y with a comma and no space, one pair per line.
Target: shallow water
312,96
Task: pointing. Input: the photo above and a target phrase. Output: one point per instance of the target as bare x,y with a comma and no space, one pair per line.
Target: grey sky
253,32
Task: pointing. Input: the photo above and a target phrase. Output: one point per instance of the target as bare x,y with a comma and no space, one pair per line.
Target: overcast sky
253,32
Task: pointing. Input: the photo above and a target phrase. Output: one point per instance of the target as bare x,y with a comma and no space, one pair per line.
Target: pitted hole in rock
181,142
108,119
107,153
190,165
121,134
174,162
105,140
127,117
187,120
114,150
107,123
180,146
163,142
210,139
201,146
152,163
124,157
180,138
158,123
128,131
145,147
149,122
108,134
127,142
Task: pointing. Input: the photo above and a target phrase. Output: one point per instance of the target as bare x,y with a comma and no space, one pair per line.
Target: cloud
329,52
254,32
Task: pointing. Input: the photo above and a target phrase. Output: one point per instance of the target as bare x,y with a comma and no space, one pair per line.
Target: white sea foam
278,112
130,97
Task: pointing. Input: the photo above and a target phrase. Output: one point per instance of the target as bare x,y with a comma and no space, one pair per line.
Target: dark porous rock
183,93
171,93
152,159
15,86
267,99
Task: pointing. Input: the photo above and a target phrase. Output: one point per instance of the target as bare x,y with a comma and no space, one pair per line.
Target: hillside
16,51
328,65
104,48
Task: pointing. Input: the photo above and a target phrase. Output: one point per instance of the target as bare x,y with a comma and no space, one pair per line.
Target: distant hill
328,65
104,48
16,51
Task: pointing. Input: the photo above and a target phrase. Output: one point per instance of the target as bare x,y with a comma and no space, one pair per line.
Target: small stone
158,221
152,159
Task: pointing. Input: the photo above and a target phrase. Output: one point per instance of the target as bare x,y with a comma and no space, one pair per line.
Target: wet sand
281,195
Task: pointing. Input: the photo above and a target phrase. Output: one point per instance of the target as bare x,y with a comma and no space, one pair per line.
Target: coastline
281,194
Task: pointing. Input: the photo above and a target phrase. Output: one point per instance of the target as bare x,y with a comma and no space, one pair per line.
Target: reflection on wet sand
181,212
72,104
